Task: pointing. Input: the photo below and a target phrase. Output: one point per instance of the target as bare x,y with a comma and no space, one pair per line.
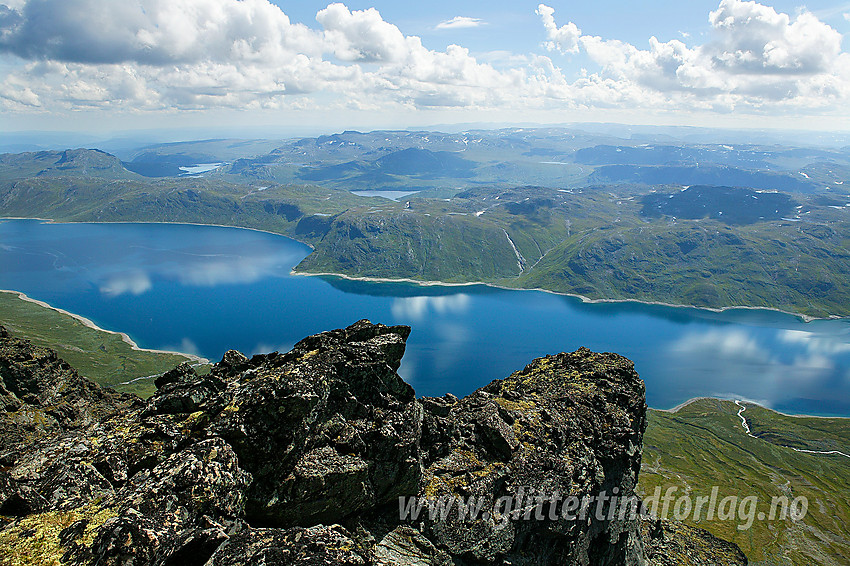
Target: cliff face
303,458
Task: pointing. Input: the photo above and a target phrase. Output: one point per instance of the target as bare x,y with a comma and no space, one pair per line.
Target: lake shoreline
803,317
681,406
90,324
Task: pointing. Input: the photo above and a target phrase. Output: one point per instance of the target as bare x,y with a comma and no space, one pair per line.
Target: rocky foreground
301,458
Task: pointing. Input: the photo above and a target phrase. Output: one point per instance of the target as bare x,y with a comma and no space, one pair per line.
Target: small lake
204,289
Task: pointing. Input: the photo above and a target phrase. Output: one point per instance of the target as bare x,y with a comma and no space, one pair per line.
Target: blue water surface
206,289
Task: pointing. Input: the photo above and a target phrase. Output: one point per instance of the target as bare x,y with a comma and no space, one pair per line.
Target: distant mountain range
72,162
518,208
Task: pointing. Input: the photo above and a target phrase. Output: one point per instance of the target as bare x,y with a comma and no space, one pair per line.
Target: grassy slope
704,263
703,444
83,162
804,433
101,356
598,246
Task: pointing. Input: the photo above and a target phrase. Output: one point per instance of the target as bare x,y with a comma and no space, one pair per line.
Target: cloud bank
756,57
152,55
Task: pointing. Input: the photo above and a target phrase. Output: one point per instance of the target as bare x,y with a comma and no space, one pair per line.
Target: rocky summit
324,455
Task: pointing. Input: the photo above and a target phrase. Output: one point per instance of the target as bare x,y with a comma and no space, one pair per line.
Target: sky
117,65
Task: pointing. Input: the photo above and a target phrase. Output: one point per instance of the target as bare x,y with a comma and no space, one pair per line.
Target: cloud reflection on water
814,342
198,271
450,332
132,282
764,365
418,308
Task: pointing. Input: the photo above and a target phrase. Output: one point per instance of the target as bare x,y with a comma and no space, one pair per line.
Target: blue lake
204,290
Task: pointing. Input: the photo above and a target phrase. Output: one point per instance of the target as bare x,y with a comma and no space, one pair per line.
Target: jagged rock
41,396
568,424
408,547
669,543
329,421
181,374
314,546
300,458
181,390
167,512
18,500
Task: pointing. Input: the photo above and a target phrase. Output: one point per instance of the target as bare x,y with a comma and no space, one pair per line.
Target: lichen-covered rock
301,458
669,543
570,424
405,546
179,514
181,390
315,546
329,421
41,396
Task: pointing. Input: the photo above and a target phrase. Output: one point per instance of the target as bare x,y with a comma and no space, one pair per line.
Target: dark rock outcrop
669,543
41,396
569,424
312,456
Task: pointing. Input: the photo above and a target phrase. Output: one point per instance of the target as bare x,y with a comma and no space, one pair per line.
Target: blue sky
100,65
514,25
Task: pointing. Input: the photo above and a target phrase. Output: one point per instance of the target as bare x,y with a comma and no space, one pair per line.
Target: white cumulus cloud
154,32
460,22
755,57
753,38
564,38
154,55
362,35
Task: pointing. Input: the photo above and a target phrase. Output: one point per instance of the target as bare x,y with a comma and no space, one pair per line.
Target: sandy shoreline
681,406
88,323
803,317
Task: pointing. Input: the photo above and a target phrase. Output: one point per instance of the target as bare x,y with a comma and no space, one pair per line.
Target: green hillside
101,356
704,444
71,162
